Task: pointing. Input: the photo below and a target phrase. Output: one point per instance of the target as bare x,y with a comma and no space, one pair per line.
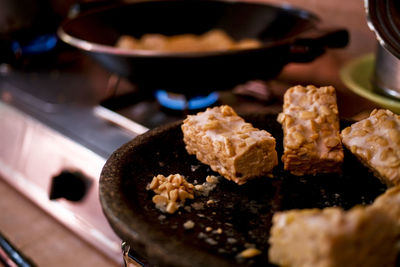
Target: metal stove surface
142,107
50,132
62,117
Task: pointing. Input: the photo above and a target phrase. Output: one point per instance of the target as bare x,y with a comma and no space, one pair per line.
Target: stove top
63,115
145,109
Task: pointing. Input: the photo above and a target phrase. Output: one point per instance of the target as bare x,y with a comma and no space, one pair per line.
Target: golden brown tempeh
230,146
376,142
310,125
362,236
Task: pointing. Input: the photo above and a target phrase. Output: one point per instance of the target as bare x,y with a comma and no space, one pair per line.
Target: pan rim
124,229
135,229
112,50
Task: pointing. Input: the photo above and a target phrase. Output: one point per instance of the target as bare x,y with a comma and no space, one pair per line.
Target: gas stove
62,116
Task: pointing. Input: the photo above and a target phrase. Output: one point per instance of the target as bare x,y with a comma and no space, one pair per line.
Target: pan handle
308,47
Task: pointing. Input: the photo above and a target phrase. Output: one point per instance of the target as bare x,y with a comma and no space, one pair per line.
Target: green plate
357,74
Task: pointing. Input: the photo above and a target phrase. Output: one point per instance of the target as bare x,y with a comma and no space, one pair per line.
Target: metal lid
384,20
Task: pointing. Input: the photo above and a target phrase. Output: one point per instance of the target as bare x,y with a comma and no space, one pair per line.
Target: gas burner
175,101
40,44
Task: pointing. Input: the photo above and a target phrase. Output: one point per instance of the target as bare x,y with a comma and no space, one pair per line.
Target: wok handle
308,47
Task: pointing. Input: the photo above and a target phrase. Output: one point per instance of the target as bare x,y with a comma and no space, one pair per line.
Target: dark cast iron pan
288,35
243,212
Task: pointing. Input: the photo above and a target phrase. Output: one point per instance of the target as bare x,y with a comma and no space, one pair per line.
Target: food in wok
287,35
213,40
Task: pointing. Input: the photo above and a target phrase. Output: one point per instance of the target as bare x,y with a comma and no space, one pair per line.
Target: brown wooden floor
40,237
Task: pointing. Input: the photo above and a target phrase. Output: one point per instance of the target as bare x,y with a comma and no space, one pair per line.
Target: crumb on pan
249,253
189,224
171,192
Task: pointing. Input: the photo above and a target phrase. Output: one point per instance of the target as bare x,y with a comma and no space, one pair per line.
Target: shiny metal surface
386,73
11,256
128,260
119,120
32,154
383,19
48,125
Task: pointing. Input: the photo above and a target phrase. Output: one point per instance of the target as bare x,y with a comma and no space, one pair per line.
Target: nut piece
249,253
212,179
230,146
376,142
310,125
171,192
188,225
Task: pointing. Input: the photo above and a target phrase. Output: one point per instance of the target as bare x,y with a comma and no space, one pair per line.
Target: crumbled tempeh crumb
212,179
188,225
197,205
231,240
205,188
210,202
218,231
249,253
171,192
211,241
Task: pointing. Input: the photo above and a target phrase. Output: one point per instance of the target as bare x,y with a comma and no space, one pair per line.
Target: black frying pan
243,212
285,33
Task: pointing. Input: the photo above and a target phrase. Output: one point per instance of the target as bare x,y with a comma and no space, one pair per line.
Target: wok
242,212
288,35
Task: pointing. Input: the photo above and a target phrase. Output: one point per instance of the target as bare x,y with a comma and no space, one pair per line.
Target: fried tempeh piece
332,237
376,142
230,146
310,125
389,202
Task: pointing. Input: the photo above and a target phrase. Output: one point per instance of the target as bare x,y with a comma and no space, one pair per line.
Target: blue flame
40,44
178,102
